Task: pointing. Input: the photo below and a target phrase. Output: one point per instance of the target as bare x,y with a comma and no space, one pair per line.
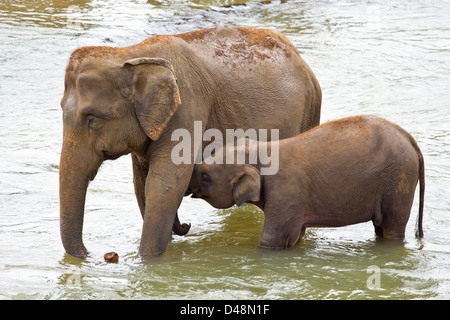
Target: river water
387,58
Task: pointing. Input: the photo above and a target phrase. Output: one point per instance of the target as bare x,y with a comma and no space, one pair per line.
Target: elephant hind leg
140,172
396,232
395,212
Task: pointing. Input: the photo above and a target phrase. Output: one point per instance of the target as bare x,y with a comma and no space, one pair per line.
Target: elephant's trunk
76,169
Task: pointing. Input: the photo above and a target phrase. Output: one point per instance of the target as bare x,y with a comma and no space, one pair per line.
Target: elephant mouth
109,156
201,196
195,194
92,175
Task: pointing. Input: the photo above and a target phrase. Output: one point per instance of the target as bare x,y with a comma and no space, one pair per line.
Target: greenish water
388,58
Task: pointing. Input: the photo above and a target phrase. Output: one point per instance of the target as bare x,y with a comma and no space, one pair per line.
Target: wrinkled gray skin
130,100
343,172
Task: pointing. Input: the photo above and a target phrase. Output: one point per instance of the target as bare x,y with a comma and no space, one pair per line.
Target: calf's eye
206,178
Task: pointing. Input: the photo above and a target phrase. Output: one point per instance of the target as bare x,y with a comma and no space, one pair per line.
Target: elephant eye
206,178
93,122
90,120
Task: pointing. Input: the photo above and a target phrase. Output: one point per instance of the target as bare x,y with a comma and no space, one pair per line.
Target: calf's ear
246,185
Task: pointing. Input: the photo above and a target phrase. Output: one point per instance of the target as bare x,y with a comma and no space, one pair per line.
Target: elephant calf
343,172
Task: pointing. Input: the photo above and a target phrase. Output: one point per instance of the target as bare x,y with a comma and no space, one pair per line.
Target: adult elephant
130,100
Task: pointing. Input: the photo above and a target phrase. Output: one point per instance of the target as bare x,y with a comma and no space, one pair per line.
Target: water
388,58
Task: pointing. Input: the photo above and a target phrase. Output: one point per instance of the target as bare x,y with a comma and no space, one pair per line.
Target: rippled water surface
388,58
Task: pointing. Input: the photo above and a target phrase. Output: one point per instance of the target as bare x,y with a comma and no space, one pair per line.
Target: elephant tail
419,229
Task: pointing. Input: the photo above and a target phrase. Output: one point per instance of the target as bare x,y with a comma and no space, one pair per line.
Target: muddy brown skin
129,100
111,257
343,172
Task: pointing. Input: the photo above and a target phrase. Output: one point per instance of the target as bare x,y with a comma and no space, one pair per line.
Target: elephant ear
155,93
246,186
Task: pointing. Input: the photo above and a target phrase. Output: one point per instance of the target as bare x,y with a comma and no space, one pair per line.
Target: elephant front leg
165,187
282,229
140,173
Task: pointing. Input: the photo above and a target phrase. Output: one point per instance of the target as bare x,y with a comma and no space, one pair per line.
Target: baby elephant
343,172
